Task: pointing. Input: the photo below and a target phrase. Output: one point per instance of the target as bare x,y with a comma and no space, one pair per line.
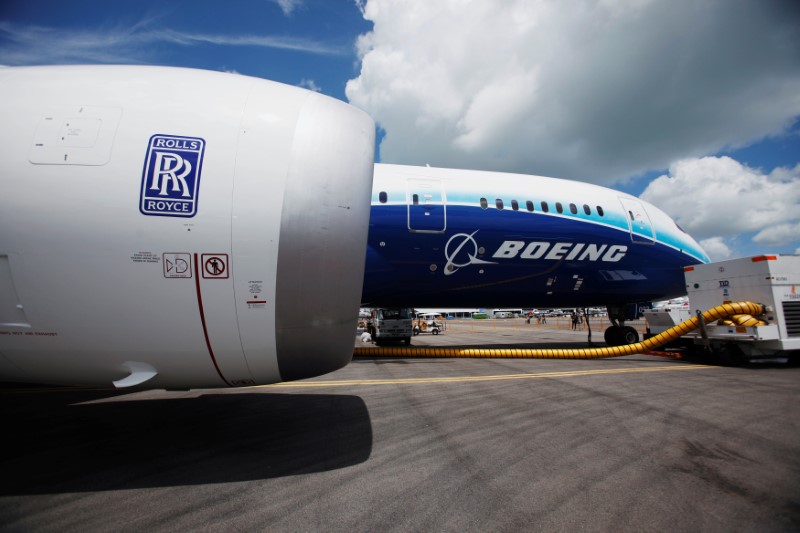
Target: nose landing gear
618,334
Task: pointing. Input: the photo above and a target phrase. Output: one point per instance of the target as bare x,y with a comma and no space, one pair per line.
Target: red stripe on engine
203,318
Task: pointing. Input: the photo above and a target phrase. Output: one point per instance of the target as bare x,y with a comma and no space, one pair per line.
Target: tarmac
643,442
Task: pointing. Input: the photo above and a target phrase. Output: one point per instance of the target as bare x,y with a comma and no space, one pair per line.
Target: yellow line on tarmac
466,379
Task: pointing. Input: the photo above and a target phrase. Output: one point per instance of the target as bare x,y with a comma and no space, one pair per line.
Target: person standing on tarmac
574,316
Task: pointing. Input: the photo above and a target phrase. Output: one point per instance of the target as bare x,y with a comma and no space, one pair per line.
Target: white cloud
598,90
288,6
716,248
779,234
310,85
129,44
718,197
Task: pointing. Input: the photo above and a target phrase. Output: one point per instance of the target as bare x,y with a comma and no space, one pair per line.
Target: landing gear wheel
612,335
620,335
628,335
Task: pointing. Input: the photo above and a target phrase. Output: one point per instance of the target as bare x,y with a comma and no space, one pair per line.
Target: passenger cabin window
529,205
600,211
415,199
514,205
630,214
573,209
559,207
498,203
587,209
545,207
484,203
382,197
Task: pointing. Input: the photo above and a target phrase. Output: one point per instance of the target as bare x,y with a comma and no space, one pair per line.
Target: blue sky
695,106
312,41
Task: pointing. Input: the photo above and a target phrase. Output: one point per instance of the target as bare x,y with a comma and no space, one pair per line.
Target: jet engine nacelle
177,228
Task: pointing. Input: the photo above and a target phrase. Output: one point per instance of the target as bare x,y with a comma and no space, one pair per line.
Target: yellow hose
720,312
742,320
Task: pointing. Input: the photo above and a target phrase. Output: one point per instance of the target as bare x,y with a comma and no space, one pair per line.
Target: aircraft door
638,221
427,212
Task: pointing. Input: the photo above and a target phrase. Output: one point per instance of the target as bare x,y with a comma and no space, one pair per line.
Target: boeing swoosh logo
454,248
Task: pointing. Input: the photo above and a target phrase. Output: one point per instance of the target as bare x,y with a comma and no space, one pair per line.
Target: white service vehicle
771,280
390,323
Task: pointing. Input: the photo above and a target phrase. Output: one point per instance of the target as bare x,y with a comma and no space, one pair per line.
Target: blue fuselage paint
444,247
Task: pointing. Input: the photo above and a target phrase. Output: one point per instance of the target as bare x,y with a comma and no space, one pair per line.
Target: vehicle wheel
628,335
416,330
612,335
435,331
732,355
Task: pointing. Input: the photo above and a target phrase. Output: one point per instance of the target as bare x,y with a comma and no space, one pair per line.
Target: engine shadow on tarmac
56,444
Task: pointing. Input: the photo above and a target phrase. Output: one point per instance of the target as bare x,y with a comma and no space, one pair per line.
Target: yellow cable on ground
720,312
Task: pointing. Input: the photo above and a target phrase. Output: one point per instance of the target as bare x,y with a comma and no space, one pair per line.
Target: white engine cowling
177,228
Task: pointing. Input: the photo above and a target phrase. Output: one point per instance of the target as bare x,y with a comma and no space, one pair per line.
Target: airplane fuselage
469,238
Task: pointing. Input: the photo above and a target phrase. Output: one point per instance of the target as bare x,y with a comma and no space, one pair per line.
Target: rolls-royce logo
171,177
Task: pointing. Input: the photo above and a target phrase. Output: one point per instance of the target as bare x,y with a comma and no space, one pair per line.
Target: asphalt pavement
636,443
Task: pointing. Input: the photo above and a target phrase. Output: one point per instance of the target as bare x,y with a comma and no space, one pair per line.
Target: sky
692,105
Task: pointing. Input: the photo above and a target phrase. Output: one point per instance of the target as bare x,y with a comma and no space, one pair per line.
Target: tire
435,331
612,335
732,355
628,335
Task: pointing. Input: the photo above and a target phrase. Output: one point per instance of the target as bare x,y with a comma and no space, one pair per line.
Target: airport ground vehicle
771,280
428,323
390,324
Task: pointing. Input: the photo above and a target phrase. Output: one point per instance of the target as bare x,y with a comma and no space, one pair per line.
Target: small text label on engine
171,176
